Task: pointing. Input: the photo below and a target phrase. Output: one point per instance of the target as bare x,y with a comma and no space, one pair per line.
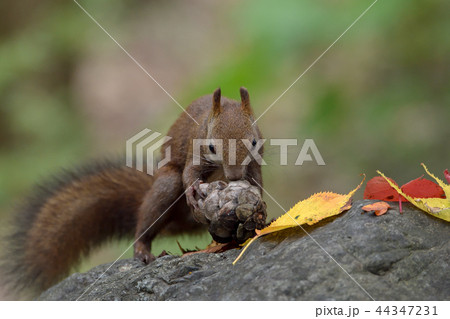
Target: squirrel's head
232,132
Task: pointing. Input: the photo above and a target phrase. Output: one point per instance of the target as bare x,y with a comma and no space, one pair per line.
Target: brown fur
77,211
68,216
218,118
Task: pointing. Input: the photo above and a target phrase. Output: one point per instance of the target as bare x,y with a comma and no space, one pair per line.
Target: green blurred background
379,99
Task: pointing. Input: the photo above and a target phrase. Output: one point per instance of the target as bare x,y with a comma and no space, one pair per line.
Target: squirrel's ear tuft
245,99
217,108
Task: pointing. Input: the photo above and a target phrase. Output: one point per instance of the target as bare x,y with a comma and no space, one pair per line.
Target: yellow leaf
438,207
308,211
444,186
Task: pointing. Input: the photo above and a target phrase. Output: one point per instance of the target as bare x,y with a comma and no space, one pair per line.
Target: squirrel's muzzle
235,173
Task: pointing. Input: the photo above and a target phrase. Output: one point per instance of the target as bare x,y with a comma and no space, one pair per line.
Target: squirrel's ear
245,99
217,108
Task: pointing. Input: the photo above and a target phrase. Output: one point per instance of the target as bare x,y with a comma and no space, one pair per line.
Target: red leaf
378,188
423,188
447,175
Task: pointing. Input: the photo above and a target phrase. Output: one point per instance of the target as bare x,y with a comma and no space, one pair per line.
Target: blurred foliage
378,99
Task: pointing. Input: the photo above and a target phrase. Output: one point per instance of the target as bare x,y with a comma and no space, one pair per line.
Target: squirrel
80,209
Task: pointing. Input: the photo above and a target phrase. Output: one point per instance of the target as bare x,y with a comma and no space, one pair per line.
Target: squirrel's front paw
143,254
192,193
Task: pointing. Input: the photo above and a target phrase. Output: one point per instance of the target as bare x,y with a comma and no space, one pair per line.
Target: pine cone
233,210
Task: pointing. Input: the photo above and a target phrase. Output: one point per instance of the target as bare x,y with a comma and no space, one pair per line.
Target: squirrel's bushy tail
65,218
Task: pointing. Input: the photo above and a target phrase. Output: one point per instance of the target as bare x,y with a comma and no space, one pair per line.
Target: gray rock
390,257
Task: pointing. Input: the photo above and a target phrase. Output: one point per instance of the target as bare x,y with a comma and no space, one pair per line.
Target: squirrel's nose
234,174
234,177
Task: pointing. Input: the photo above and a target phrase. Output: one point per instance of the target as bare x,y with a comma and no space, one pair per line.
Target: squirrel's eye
212,149
254,142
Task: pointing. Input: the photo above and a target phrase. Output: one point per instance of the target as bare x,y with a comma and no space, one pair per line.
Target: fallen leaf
378,188
438,207
219,248
423,188
308,211
447,175
379,208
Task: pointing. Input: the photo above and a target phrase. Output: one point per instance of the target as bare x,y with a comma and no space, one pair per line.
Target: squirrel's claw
144,257
192,193
190,198
143,254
